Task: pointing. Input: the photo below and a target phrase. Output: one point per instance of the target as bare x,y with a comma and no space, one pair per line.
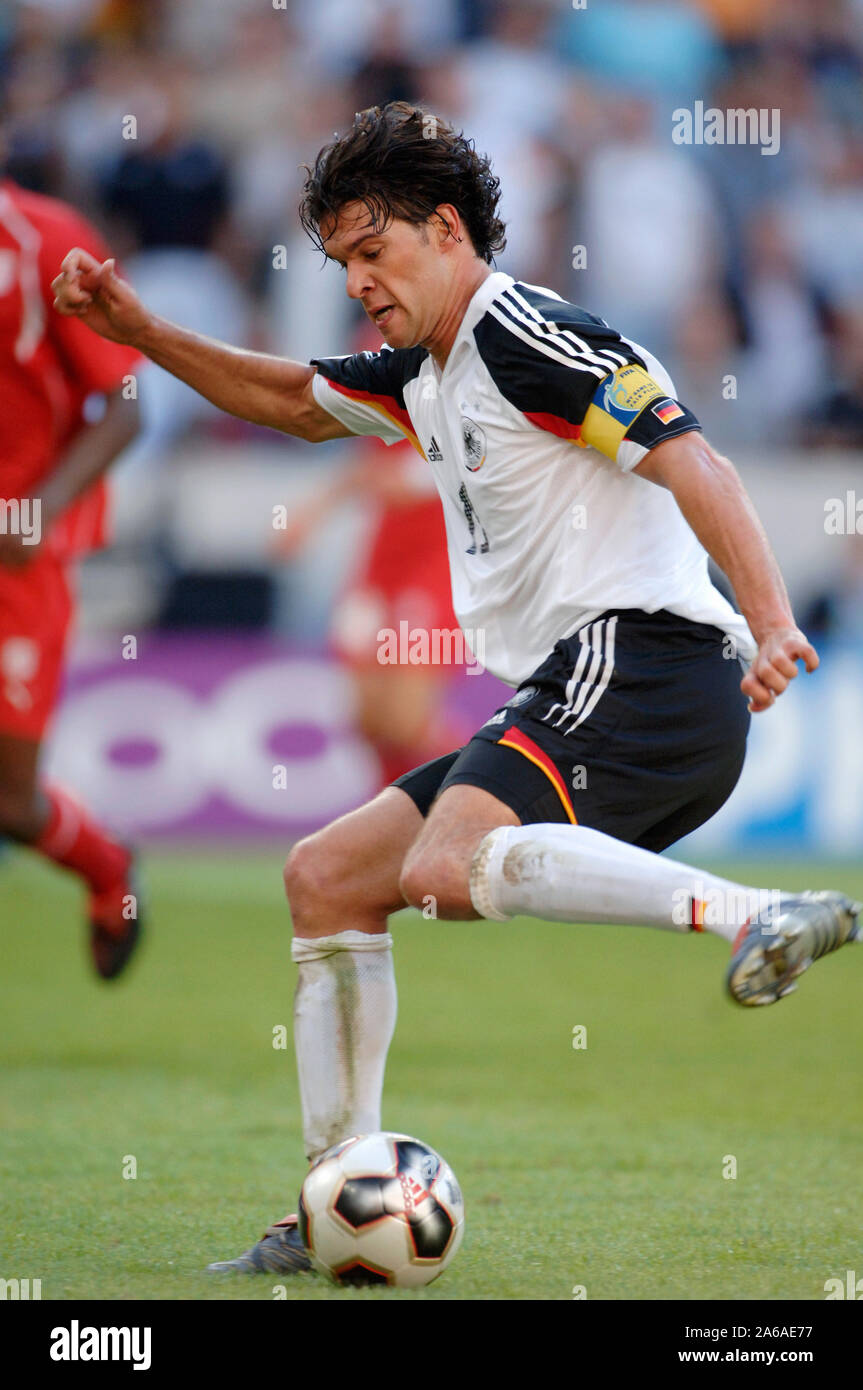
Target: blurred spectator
647,221
838,611
751,366
837,419
169,192
508,92
33,152
337,35
825,215
170,186
712,377
116,84
402,577
786,355
390,70
742,177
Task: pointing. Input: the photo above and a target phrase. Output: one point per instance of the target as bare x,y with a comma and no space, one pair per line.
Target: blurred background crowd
715,256
181,127
721,259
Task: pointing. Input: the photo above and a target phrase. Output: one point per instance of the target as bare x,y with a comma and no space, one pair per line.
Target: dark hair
402,161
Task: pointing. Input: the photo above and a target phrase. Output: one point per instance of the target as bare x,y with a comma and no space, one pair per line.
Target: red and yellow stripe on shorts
515,738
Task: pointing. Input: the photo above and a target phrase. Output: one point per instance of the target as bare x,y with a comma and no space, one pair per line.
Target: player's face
397,274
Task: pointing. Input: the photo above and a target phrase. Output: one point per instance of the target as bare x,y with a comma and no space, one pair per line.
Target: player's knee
306,879
436,884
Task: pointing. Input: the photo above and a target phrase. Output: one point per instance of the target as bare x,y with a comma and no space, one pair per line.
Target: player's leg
48,819
398,711
504,838
575,874
637,794
436,872
403,586
342,883
24,808
476,859
571,873
34,618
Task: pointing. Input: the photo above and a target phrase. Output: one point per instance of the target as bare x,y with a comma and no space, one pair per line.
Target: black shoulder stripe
557,310
555,317
533,381
385,373
548,359
554,340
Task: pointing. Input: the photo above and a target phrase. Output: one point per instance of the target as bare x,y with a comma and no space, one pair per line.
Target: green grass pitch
599,1167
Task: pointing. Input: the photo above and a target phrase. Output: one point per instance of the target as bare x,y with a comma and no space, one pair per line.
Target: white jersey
543,536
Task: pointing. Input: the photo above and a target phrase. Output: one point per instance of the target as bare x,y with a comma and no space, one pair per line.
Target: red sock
72,839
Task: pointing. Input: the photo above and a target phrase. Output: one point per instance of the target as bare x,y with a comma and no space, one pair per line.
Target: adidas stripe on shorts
635,726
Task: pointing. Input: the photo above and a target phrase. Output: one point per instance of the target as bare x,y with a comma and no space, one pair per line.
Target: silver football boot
769,955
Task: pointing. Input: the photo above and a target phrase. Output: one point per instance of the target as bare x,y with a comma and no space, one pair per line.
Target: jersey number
473,523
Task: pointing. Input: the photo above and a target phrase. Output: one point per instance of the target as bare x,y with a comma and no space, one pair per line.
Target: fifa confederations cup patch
617,403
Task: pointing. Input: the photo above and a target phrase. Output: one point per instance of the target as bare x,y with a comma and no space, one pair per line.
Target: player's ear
447,223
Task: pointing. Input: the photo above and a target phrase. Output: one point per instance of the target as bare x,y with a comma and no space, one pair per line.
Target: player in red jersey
401,578
52,511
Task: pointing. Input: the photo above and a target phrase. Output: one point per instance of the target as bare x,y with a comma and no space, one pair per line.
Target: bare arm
711,496
267,390
87,458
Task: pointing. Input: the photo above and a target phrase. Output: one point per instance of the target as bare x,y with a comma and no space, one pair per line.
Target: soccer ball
381,1209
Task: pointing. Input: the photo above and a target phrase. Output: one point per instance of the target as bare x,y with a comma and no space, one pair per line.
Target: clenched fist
775,666
95,293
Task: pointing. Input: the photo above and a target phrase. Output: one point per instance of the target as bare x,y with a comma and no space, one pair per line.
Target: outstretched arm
266,390
711,496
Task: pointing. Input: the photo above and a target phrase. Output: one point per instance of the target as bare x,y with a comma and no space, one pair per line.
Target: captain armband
630,414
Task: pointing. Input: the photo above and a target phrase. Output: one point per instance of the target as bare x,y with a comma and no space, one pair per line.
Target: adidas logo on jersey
433,453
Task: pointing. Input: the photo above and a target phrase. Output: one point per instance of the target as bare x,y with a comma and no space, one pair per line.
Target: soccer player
53,511
581,501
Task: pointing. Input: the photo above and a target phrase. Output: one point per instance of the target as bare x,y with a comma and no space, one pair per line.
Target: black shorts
635,725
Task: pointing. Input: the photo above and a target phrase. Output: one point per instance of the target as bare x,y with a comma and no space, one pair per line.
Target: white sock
344,1017
568,873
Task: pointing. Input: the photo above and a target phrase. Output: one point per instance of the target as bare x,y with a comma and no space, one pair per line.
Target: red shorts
35,617
404,578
